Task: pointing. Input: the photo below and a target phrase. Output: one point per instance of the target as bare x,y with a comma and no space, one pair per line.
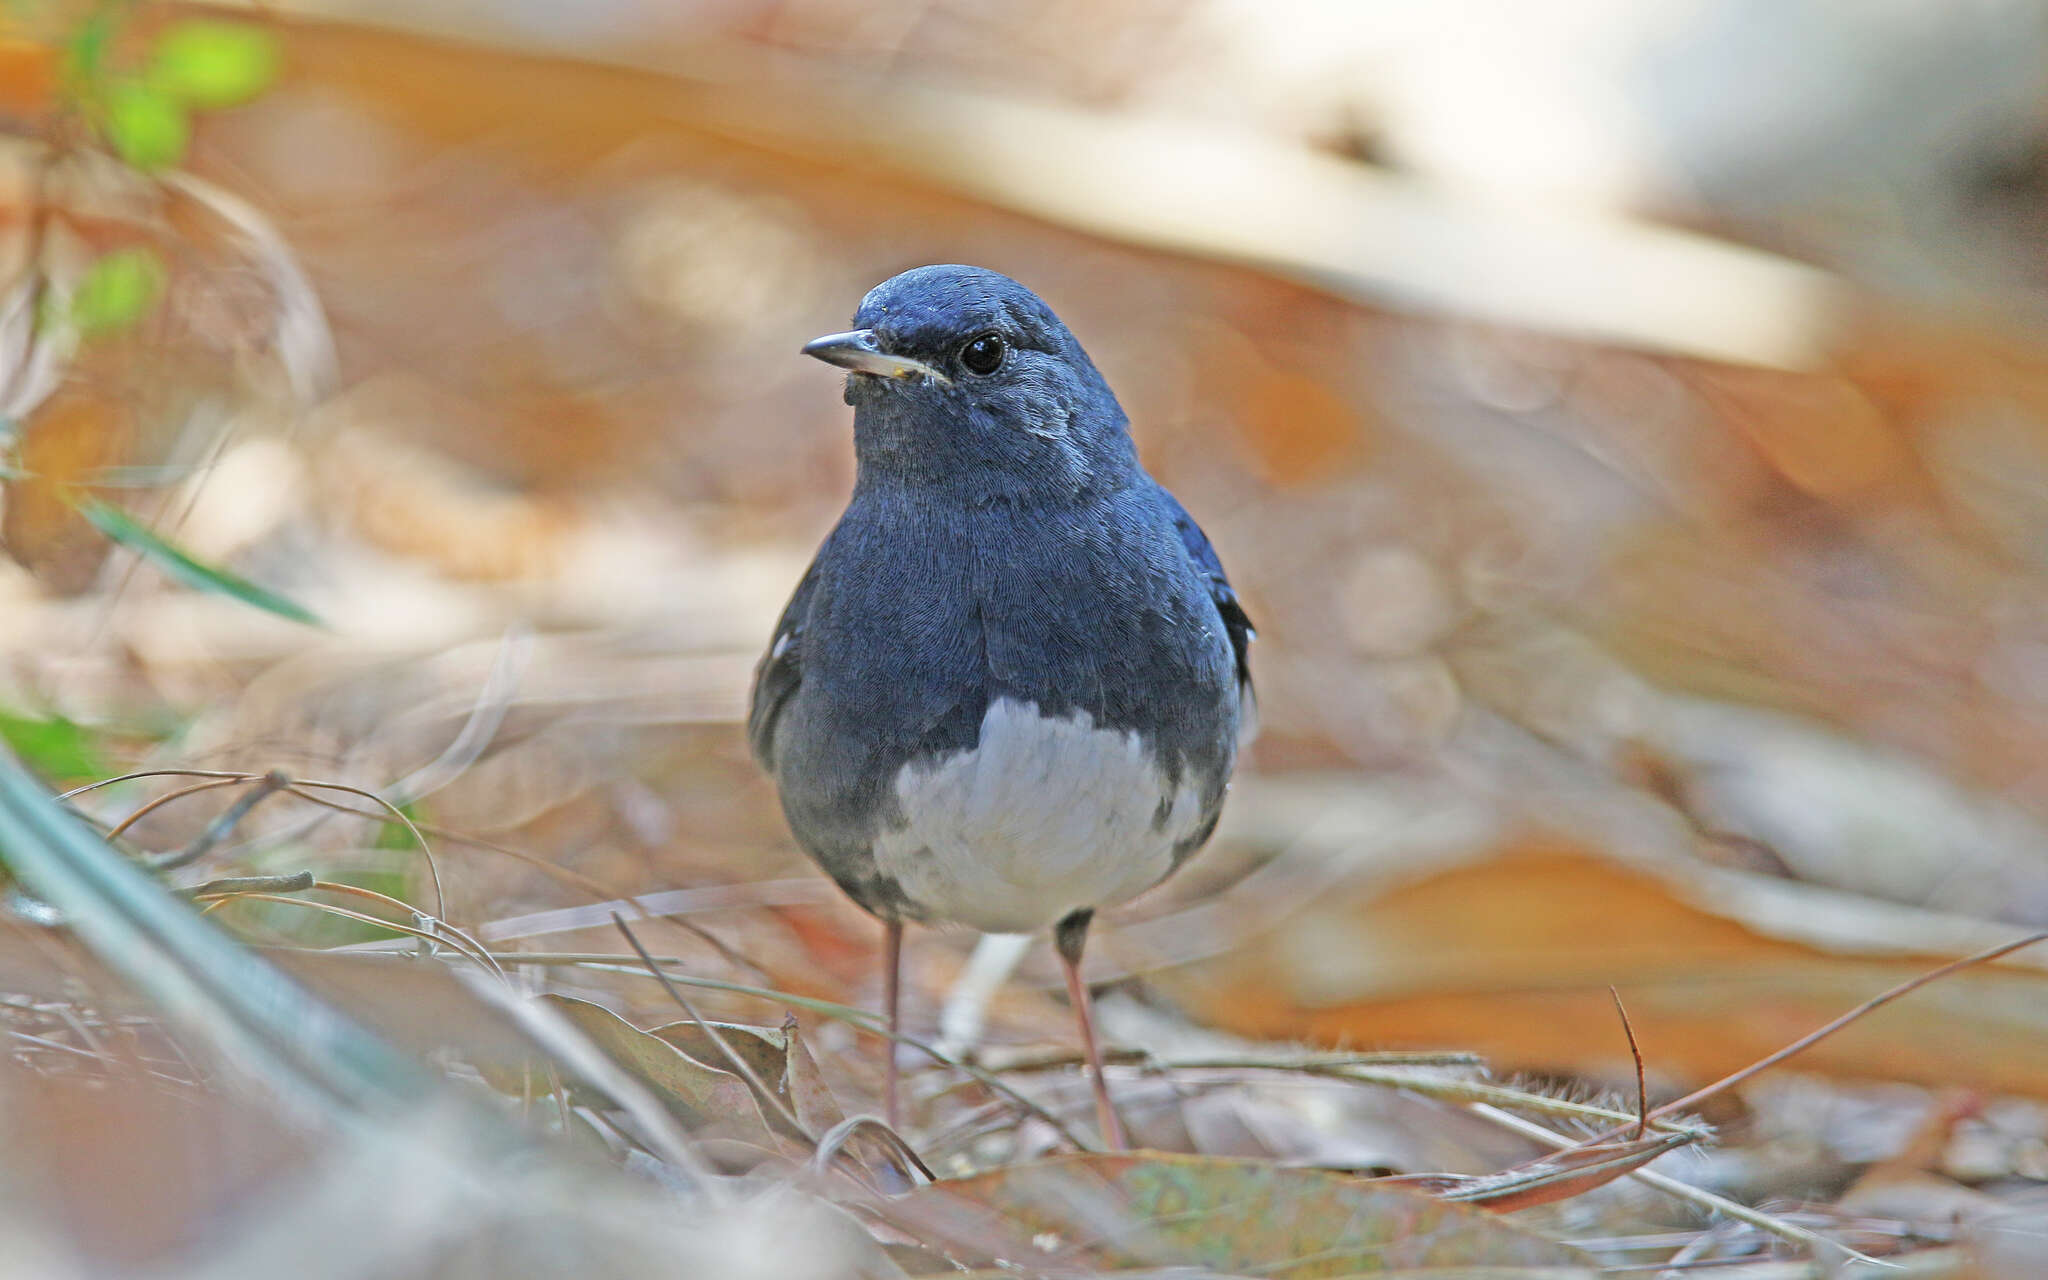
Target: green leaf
394,836
182,567
117,290
147,126
85,54
56,748
212,64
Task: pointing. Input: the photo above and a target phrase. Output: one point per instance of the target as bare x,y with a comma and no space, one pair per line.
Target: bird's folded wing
1236,623
779,672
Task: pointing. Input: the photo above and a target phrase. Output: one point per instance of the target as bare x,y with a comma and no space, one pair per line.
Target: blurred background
1626,422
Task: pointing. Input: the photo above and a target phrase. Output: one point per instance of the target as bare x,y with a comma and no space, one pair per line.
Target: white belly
1041,817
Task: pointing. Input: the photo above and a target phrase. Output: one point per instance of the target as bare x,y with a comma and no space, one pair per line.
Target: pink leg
892,990
1068,939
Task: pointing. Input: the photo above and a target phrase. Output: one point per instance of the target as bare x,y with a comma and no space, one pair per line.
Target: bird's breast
1043,815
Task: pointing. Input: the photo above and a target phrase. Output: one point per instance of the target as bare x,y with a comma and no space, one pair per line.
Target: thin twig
237,775
662,904
1551,1178
559,1039
613,962
359,917
768,1096
268,785
1059,1058
606,894
1635,1052
1479,1091
296,882
1687,1192
835,1138
866,1021
120,828
434,924
1812,1038
426,850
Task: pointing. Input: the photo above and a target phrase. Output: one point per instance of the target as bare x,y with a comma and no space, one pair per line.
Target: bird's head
964,382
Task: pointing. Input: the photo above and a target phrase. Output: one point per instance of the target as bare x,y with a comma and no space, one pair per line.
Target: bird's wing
1236,623
780,671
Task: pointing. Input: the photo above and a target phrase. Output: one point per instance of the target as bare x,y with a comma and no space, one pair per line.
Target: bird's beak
859,351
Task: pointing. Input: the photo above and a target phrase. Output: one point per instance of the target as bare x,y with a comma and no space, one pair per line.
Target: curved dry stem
732,1055
119,828
604,963
835,1139
360,917
1778,1227
447,932
1819,1034
293,882
595,888
158,773
426,850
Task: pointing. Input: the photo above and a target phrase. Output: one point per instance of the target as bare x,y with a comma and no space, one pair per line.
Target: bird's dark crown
931,312
1038,427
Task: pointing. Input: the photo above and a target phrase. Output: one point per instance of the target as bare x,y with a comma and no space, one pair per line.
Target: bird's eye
984,354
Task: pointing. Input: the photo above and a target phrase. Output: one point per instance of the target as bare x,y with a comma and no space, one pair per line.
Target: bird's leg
892,990
1069,936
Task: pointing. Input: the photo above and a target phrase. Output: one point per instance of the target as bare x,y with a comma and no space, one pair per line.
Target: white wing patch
1043,816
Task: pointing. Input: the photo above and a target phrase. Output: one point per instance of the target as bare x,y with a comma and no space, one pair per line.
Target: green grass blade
258,1020
182,567
59,749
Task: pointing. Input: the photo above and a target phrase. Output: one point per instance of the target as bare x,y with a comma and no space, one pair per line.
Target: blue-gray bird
1010,687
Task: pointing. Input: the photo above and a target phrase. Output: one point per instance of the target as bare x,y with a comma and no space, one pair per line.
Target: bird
1010,688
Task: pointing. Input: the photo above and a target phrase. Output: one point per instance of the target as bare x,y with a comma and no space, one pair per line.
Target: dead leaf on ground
63,444
1553,1178
1154,1210
703,1096
1512,956
778,1057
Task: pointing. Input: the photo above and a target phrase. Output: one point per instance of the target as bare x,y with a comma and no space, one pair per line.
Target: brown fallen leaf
779,1058
1112,1212
1549,1179
72,435
29,72
1511,955
1821,434
702,1096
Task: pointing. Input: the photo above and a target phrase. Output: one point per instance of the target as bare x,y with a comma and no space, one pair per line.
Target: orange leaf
28,76
1511,956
